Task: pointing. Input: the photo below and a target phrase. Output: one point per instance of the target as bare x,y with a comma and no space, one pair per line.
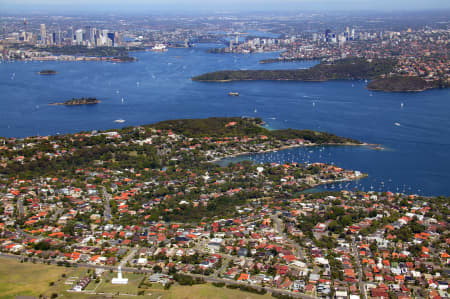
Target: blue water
158,87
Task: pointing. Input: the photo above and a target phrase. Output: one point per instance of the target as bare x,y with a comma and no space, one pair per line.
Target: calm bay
414,128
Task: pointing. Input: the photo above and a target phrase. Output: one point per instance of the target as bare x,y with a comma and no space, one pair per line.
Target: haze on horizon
147,6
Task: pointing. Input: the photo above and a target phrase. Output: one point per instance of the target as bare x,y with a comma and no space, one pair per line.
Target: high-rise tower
43,35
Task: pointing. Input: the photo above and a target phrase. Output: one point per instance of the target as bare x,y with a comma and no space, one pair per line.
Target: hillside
213,127
399,84
219,127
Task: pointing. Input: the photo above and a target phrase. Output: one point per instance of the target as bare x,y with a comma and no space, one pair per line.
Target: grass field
208,291
34,279
131,288
27,278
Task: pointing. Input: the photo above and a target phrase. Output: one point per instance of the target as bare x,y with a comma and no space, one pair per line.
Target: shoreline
237,80
398,91
362,176
75,58
321,81
288,60
216,160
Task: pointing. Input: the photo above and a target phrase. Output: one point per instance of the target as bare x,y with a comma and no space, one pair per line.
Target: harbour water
414,128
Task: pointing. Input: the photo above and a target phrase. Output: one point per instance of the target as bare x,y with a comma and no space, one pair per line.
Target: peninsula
77,53
86,51
247,127
80,101
344,69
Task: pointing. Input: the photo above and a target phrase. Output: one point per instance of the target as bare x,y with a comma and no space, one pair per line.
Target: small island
80,101
123,59
47,72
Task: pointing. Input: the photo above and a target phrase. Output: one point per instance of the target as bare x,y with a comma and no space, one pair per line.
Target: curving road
279,227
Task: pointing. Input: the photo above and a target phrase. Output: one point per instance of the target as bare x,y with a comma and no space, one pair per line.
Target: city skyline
140,6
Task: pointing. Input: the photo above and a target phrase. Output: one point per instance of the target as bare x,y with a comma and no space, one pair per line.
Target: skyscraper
92,35
117,39
71,35
104,40
79,36
111,37
87,33
43,35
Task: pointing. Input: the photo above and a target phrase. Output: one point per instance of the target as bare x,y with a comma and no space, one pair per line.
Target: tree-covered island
47,72
75,102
